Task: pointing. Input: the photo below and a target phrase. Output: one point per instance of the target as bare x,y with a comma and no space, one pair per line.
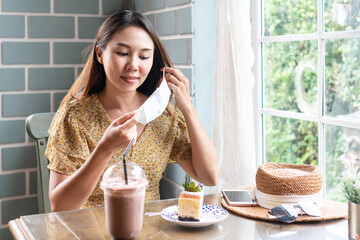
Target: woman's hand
70,192
120,132
179,85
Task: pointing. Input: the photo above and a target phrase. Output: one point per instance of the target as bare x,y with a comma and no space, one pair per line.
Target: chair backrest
37,126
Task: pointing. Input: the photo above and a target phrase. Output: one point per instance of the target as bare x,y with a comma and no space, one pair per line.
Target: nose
132,64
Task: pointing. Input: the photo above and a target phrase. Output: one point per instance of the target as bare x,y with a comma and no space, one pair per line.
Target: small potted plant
351,186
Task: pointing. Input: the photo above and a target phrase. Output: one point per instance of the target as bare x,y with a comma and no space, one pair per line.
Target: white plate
210,215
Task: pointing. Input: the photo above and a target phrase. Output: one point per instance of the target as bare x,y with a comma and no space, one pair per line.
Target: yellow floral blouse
78,126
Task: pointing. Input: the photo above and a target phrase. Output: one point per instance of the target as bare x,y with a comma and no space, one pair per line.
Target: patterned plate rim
171,214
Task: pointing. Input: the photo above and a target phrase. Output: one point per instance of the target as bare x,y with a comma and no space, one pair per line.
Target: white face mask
155,105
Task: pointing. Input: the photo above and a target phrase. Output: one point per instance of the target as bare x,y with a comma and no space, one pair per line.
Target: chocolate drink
124,209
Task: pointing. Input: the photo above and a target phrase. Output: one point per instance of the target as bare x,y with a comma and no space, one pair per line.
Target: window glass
342,73
341,15
290,140
290,76
289,17
341,144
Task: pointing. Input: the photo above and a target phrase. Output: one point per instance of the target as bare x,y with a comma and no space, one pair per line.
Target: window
309,84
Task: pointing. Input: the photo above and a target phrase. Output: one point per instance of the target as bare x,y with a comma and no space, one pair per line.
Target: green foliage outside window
290,83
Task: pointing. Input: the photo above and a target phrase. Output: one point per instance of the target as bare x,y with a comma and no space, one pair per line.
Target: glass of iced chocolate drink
124,203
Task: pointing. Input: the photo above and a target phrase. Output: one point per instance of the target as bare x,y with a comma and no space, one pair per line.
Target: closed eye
143,58
122,53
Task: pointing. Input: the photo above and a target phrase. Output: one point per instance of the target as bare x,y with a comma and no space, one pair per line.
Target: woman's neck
117,104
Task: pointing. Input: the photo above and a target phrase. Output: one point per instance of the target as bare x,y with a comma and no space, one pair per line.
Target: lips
129,79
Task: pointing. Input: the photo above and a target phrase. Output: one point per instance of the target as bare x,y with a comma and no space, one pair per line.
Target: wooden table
90,224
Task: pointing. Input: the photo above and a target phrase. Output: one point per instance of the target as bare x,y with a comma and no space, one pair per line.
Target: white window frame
261,111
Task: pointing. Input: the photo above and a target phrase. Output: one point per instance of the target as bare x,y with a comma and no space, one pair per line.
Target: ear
98,51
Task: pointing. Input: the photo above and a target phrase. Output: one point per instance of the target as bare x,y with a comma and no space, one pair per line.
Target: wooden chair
37,126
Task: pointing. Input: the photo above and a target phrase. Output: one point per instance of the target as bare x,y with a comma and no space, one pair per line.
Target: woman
98,118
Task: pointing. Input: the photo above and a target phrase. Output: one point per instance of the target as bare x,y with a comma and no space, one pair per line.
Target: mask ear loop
171,95
173,115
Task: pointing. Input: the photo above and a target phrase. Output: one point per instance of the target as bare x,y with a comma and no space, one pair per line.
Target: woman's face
127,58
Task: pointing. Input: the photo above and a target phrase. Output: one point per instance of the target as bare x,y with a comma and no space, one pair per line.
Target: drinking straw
124,158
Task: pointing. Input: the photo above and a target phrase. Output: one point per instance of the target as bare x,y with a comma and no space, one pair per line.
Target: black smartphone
238,198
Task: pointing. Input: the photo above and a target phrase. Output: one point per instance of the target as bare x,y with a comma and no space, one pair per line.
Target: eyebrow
127,46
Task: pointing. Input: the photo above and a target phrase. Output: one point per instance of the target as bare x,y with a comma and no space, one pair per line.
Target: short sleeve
67,147
181,150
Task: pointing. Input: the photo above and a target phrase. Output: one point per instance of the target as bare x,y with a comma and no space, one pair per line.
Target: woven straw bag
288,179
